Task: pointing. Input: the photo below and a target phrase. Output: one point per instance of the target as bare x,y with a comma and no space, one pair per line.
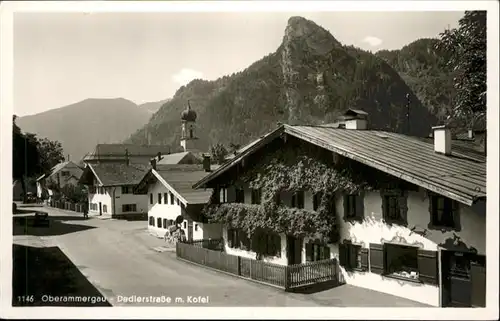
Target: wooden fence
67,206
209,253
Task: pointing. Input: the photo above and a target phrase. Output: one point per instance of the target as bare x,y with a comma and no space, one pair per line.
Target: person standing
85,210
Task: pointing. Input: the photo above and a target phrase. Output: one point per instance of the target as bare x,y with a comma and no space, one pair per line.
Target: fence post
239,265
287,277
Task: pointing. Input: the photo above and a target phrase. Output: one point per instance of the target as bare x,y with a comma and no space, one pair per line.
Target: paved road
119,259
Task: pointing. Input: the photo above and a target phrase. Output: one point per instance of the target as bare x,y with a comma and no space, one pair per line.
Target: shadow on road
315,288
41,273
25,226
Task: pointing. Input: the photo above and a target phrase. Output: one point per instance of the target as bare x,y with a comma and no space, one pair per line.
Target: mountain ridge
310,78
82,125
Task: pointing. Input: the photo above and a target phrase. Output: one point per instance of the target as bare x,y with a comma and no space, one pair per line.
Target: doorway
463,279
294,250
100,208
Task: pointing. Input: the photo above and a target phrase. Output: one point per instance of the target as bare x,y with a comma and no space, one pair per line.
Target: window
165,198
267,244
185,224
158,222
443,211
104,208
170,222
151,198
165,223
92,189
159,198
178,202
240,195
394,207
127,189
317,252
190,133
129,208
353,256
401,261
298,199
238,239
65,173
350,206
151,221
172,199
196,227
256,196
317,200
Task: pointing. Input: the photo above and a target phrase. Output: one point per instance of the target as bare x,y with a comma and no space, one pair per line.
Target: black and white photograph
255,155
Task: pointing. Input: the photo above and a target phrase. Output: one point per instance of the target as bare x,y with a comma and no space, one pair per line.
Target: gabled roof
411,159
59,167
118,151
180,158
179,178
114,174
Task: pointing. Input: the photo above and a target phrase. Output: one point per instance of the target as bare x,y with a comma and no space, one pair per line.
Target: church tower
188,120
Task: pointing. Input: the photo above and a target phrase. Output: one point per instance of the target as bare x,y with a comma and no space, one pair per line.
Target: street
130,267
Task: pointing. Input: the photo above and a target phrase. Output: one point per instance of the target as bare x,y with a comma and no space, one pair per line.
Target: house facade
62,174
419,235
111,190
170,196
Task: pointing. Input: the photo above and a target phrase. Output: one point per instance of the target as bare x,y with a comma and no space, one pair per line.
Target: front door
100,208
294,250
463,279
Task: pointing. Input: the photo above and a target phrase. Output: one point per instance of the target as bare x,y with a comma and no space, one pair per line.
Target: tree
51,153
467,46
218,153
74,193
25,155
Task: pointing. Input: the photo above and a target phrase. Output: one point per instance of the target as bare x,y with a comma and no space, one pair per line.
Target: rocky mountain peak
309,35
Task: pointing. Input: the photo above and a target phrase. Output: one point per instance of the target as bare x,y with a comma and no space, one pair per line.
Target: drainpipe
114,206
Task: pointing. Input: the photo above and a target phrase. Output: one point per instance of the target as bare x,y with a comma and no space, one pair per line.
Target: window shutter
309,252
403,207
376,258
342,255
360,206
327,253
364,259
478,281
346,207
456,215
428,267
431,207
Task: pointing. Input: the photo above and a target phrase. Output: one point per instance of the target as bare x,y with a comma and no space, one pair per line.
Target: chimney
126,157
206,163
356,123
442,139
470,134
153,162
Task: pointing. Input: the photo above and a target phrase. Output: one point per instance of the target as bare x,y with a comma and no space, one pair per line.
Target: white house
111,187
422,239
62,174
170,194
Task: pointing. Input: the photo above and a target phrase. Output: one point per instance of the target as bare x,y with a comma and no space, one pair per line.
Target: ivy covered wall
288,165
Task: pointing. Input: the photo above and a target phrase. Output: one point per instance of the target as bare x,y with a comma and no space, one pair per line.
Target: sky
63,58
